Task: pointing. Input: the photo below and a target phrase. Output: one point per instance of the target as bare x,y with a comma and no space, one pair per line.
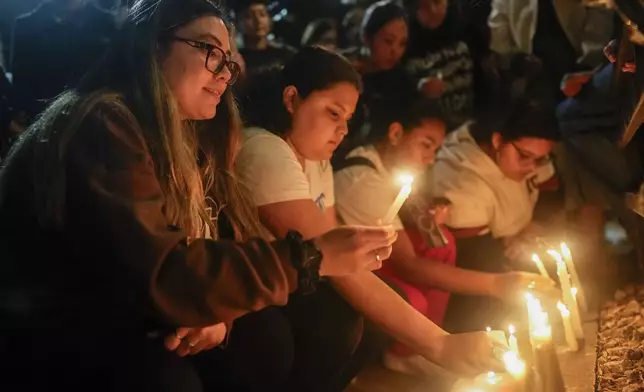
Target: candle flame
405,179
555,255
563,309
512,329
539,326
565,250
513,364
488,329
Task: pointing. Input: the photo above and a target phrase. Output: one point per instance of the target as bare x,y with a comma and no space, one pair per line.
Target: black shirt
258,61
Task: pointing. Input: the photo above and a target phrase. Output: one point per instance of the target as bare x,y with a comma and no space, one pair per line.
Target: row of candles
547,377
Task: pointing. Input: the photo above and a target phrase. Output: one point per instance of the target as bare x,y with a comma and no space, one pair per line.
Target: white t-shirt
481,195
268,166
364,195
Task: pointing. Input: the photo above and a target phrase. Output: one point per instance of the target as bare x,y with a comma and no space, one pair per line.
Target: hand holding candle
406,180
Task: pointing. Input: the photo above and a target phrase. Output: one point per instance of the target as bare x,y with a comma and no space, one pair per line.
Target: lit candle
513,364
574,277
540,266
405,190
571,340
540,330
568,298
512,340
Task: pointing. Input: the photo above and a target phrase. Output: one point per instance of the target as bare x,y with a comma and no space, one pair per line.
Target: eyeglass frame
526,157
210,49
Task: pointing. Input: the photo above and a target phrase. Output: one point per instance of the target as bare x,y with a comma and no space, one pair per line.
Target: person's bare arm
378,302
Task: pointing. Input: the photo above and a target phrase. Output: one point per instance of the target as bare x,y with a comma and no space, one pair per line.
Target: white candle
406,180
574,277
512,340
569,333
540,266
568,298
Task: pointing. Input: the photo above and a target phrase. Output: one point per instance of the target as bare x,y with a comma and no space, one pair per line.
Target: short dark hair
524,117
410,113
240,6
378,15
311,69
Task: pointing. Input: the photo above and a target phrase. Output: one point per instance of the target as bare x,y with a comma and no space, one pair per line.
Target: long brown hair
130,79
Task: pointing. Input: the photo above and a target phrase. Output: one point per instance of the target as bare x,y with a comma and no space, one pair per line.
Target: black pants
79,362
309,345
466,313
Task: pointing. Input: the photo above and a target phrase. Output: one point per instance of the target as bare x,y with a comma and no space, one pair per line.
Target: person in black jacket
111,267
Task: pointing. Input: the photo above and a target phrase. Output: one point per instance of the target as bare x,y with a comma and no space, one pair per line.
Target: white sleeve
365,198
267,166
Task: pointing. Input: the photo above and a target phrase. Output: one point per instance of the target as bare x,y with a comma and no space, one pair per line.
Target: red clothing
429,301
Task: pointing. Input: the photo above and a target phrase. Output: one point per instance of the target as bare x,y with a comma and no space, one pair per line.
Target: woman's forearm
446,277
379,303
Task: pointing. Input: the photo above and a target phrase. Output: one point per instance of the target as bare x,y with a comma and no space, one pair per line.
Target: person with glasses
113,267
492,172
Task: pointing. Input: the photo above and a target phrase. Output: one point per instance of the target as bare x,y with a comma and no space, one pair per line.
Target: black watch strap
306,259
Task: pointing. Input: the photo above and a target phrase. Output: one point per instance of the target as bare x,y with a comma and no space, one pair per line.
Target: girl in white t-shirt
303,111
491,174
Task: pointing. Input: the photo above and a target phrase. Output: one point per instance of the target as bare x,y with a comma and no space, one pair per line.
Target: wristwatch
307,259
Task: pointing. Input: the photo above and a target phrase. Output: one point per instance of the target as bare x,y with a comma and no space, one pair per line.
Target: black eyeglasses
527,158
216,58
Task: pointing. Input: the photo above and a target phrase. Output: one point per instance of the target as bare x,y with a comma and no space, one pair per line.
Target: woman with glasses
492,173
109,273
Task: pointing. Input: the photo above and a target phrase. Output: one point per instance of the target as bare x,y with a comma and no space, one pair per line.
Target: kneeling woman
103,219
492,175
303,112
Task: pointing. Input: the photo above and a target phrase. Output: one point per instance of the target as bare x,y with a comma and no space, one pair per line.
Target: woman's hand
469,354
350,249
190,341
511,286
